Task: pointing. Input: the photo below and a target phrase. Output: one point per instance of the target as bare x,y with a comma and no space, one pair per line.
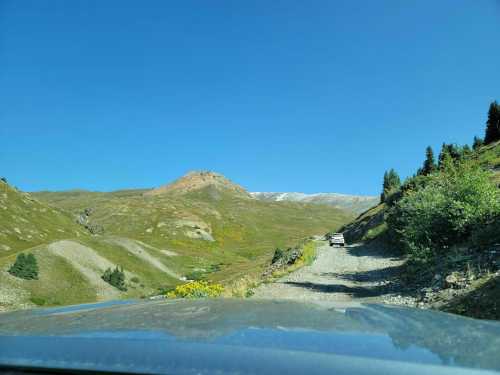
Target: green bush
25,267
444,209
38,301
115,278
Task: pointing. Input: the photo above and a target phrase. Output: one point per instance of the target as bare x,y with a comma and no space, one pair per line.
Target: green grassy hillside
159,240
26,222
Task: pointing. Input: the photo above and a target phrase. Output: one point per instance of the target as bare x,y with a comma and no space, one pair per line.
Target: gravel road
356,273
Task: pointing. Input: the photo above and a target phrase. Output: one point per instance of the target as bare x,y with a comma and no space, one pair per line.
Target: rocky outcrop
83,220
283,258
196,229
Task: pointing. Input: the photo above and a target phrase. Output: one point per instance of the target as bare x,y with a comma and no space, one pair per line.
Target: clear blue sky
277,95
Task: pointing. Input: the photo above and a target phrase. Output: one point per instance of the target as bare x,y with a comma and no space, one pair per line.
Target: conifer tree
449,154
25,267
429,163
391,183
115,278
493,124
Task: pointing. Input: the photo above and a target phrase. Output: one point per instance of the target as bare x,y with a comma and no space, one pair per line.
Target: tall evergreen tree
493,124
391,183
443,155
394,180
429,163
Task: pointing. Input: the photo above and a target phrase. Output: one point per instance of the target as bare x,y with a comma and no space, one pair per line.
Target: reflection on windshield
374,331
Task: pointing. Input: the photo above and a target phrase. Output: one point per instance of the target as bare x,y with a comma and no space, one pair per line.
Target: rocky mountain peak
197,180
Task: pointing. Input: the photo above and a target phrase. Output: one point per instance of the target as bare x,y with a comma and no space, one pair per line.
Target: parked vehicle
336,239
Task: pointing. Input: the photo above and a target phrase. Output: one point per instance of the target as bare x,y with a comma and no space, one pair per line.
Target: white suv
336,239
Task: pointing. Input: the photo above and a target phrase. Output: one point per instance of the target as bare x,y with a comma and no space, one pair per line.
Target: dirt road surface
355,273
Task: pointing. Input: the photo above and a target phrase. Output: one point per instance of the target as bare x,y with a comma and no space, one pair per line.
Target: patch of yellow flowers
196,289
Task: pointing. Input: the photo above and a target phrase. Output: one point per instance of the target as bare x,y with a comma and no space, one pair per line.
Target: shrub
444,210
196,289
38,301
115,278
135,280
25,267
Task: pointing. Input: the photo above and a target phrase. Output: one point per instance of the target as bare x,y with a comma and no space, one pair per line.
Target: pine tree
394,180
454,152
449,154
429,163
115,278
478,142
493,124
25,267
391,183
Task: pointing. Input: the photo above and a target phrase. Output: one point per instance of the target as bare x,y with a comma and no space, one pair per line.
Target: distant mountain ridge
353,203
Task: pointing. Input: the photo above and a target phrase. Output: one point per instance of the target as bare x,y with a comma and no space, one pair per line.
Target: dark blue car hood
247,337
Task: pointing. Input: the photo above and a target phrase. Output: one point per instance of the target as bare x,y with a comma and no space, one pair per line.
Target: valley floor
355,273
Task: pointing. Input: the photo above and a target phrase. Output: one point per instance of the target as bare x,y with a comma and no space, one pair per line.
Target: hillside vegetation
446,220
194,230
372,223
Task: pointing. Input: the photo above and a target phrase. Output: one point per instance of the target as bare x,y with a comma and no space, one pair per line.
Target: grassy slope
367,226
246,231
26,222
